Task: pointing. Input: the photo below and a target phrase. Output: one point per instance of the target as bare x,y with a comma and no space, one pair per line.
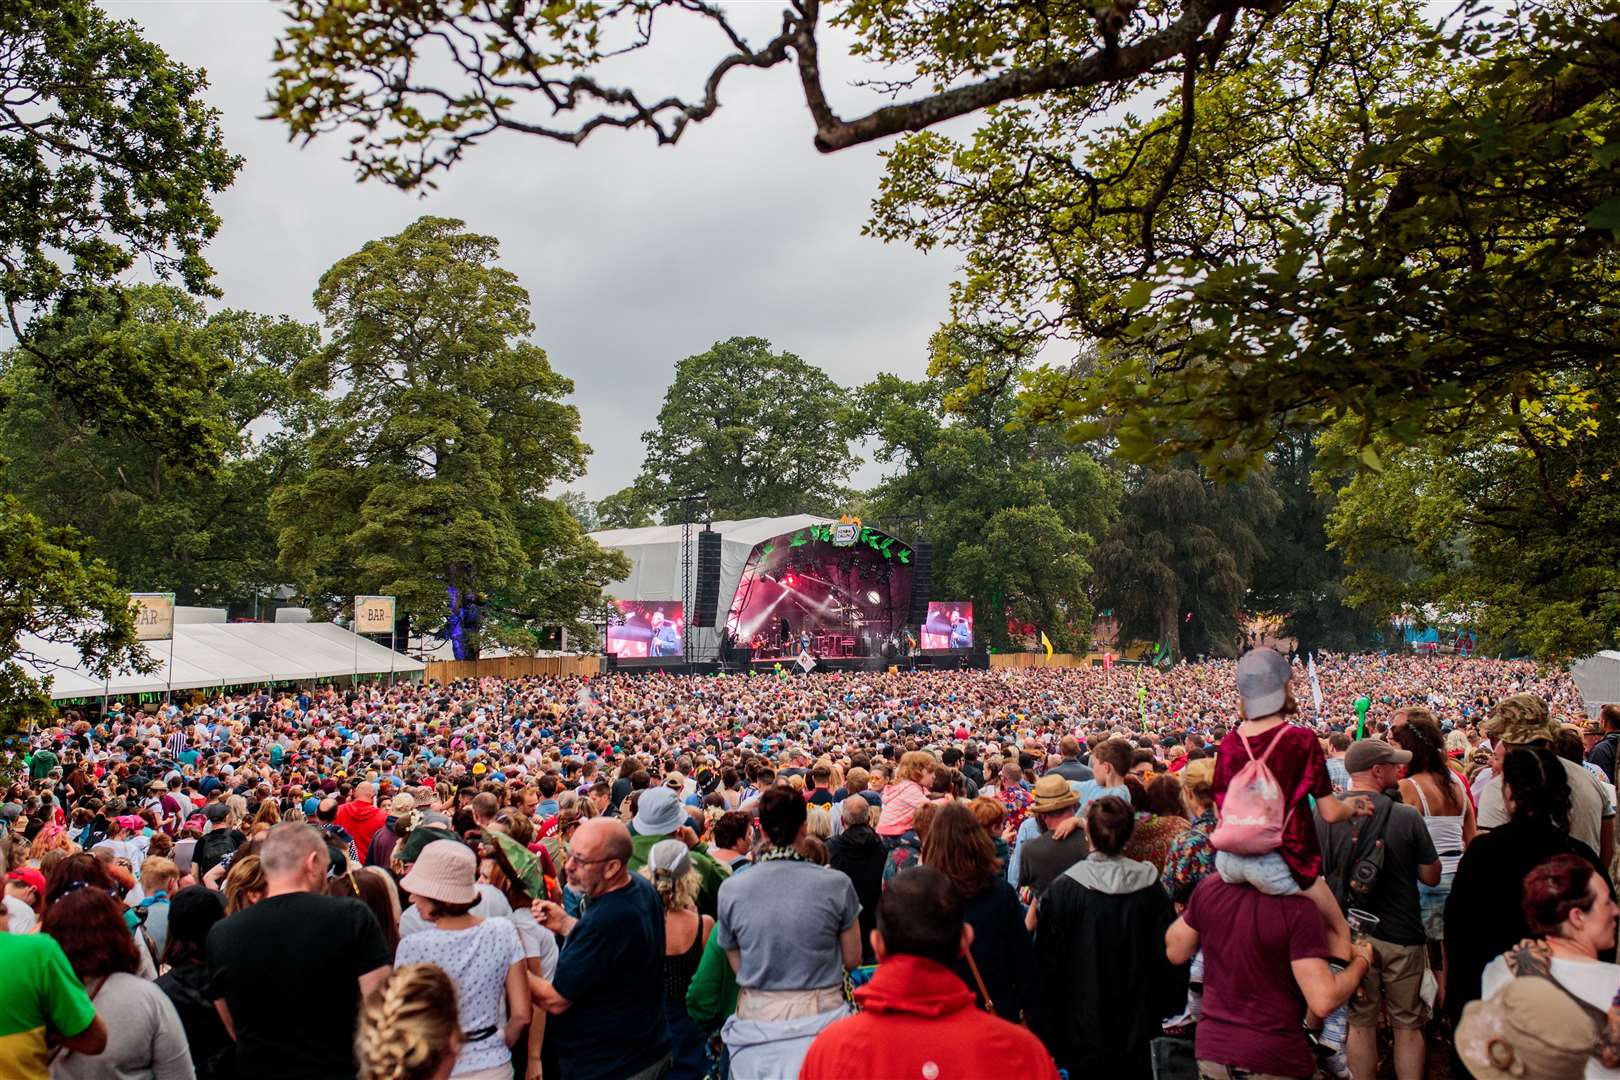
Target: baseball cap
216,813
1262,682
1365,754
29,876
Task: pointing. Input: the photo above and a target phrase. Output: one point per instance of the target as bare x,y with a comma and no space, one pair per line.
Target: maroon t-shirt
1253,1008
1301,771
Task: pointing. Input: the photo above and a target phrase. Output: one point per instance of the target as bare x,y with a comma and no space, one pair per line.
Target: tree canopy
204,536
760,433
108,159
428,482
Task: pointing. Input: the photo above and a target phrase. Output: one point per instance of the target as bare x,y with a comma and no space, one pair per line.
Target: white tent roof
655,554
1598,679
225,654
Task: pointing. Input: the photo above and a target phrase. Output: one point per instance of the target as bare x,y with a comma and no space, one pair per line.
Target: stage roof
655,554
224,654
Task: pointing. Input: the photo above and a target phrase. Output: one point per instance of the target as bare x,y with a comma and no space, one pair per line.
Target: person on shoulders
918,1018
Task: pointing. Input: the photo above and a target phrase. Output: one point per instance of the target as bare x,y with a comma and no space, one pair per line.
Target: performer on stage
961,632
911,650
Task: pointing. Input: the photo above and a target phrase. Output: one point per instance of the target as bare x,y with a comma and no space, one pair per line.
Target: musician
911,649
961,632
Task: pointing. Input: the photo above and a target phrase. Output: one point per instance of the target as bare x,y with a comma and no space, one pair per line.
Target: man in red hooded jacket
918,1018
360,817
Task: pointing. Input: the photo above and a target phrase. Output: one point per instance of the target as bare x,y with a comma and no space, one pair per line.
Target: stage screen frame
937,631
635,627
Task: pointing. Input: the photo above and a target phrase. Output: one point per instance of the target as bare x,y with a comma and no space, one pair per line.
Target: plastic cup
1362,923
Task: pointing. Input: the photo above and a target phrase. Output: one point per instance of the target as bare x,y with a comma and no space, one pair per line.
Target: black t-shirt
1407,846
611,971
288,968
213,846
820,797
1045,857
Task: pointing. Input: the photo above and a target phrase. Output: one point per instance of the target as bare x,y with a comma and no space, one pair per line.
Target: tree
1508,527
420,87
1301,575
759,433
1029,562
1179,560
581,508
448,428
1001,503
204,536
628,508
108,158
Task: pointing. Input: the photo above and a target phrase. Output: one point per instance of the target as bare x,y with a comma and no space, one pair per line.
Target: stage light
874,596
789,580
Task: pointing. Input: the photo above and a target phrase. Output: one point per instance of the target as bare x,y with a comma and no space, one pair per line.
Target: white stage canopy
655,561
1598,679
225,654
655,555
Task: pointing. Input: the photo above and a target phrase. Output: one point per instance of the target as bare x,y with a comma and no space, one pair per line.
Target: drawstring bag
1253,816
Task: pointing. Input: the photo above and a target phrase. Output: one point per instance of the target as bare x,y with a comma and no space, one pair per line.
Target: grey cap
11,811
658,812
1365,754
670,857
1262,682
216,813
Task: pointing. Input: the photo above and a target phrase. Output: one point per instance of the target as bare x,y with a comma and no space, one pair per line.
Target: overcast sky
635,256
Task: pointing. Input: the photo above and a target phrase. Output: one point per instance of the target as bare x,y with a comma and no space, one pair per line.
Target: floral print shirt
1191,858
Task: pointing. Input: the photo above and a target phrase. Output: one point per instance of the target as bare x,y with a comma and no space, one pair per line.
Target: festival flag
1141,703
1046,643
1316,687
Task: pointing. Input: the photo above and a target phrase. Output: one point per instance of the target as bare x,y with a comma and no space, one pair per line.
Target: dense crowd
1258,868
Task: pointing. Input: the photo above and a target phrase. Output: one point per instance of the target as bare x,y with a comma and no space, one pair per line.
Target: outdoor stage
933,660
752,595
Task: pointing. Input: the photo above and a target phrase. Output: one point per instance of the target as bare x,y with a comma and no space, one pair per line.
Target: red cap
29,876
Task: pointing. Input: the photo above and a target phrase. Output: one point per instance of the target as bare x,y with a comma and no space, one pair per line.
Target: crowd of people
1228,869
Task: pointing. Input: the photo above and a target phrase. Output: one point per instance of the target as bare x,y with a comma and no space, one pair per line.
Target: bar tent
224,654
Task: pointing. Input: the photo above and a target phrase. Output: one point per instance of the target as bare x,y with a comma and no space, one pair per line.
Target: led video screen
647,628
949,625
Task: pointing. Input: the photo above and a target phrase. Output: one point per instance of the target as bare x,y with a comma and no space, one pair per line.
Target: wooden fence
511,667
1022,660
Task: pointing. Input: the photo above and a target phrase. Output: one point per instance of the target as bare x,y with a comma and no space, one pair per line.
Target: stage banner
374,614
154,615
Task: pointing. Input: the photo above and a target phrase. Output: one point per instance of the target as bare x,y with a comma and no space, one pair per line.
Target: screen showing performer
949,626
647,628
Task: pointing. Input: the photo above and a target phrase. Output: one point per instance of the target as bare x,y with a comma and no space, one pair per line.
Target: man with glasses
608,994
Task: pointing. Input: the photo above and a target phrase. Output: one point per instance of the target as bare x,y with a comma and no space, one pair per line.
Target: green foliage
1184,544
446,432
760,433
108,159
1509,526
57,593
204,536
1300,576
628,508
1012,511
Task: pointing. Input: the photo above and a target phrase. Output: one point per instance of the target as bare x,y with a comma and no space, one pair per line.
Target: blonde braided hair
408,1025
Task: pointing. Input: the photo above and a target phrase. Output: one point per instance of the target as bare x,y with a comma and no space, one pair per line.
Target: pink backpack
1253,815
